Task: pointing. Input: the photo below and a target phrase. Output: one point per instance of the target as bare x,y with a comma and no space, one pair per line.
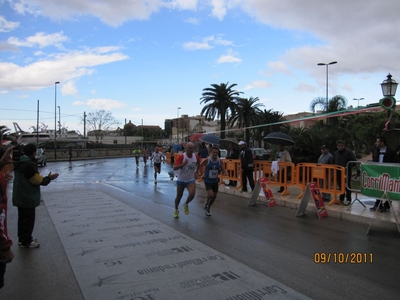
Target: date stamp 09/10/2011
343,258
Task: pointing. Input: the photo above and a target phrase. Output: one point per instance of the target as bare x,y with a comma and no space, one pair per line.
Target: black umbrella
278,138
211,139
227,142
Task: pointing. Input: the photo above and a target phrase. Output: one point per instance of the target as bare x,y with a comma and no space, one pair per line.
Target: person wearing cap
325,158
246,162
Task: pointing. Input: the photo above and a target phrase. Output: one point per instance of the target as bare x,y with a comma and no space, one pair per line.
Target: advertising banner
269,197
319,203
378,178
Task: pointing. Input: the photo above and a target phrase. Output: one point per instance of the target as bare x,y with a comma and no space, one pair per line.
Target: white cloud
307,88
79,103
279,66
69,88
197,46
218,9
65,66
106,104
182,4
358,33
7,26
230,57
40,39
258,84
193,21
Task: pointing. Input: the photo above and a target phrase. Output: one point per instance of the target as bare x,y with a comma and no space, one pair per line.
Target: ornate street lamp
389,87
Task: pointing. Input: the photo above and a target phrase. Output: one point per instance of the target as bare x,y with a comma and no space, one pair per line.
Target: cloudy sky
142,59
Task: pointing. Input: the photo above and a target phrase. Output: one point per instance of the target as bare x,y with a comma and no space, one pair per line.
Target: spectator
6,254
246,162
26,194
325,158
203,152
232,154
341,157
383,154
284,156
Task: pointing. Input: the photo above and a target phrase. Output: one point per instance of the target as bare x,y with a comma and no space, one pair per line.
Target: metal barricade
353,181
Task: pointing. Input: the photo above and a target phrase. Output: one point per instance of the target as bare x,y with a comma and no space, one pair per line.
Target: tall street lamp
55,119
59,120
177,127
358,101
327,65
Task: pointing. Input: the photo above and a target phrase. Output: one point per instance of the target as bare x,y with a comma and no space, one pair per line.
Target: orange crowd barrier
232,167
331,179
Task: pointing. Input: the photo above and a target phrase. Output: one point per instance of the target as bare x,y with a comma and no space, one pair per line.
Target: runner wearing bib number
188,165
211,181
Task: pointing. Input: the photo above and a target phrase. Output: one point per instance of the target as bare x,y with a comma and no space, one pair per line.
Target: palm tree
336,103
221,100
247,112
272,121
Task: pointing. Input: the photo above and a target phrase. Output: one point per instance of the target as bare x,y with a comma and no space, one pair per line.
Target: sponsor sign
378,178
269,197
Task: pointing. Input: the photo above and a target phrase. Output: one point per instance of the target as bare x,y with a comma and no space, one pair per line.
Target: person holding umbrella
282,155
247,165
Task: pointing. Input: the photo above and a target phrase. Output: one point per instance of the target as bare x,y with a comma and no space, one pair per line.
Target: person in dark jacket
383,154
341,157
247,165
26,194
232,154
6,254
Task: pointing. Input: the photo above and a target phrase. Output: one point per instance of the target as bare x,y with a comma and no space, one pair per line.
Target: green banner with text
376,178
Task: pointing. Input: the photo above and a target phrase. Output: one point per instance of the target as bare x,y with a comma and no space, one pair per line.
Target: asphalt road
270,240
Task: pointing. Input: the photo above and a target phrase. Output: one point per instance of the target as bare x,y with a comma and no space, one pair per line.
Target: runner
136,153
157,156
145,154
188,165
213,168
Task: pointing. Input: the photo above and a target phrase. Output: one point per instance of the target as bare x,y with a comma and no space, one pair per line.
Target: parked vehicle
261,153
40,157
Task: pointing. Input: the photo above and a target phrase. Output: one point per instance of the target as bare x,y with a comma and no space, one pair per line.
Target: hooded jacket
27,182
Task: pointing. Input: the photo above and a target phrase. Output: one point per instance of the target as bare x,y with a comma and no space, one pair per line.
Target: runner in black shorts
213,168
156,158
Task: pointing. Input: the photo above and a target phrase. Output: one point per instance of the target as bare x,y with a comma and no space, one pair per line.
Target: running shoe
155,181
176,213
186,208
206,205
33,244
208,214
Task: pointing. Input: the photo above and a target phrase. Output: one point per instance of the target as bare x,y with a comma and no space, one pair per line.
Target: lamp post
327,65
389,86
55,119
358,101
59,120
388,102
177,127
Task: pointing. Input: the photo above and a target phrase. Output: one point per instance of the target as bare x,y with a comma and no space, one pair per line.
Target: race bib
213,174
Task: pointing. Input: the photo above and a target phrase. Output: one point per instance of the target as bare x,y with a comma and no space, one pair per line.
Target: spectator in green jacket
26,194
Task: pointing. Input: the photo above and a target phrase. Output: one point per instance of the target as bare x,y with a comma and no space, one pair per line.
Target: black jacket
390,156
246,159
